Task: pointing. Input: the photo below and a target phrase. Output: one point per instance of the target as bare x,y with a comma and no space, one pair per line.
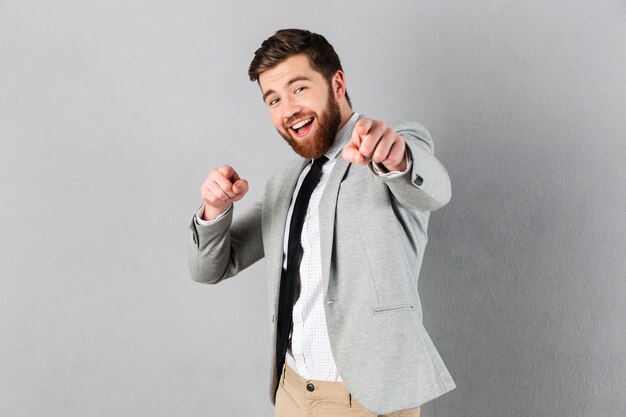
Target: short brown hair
290,42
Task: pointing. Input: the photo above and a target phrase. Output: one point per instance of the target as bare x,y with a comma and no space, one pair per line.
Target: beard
324,135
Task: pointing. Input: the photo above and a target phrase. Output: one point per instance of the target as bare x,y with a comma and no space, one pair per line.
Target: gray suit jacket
373,234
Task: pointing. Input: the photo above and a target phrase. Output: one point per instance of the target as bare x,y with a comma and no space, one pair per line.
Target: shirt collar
343,136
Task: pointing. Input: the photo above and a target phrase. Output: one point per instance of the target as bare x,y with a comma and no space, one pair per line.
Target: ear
339,85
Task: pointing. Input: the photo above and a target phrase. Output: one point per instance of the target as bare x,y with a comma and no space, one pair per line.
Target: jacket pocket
393,308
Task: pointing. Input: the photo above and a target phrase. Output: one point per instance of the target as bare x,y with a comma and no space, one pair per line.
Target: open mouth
302,127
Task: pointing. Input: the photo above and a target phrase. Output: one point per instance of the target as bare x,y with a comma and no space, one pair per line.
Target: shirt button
310,387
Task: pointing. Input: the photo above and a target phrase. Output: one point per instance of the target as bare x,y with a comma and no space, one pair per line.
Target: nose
290,107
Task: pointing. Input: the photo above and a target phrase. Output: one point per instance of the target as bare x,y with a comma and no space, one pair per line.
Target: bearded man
343,232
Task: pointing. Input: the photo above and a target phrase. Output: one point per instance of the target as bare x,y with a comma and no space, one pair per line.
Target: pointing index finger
363,126
229,172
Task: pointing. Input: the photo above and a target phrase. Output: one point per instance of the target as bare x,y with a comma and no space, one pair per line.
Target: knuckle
378,156
365,150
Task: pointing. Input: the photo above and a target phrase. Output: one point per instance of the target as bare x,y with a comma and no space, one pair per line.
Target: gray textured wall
113,112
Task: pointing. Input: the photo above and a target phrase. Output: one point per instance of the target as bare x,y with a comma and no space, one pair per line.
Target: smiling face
303,106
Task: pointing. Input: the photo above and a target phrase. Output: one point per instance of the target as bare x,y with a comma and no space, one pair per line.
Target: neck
346,113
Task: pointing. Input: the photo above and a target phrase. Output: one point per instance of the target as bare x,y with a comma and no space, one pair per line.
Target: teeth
301,123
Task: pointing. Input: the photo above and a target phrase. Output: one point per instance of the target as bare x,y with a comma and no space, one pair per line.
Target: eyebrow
293,80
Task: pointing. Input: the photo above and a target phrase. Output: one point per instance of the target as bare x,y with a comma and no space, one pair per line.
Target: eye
299,90
273,101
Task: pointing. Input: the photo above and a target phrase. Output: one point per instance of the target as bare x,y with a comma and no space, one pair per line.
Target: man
343,232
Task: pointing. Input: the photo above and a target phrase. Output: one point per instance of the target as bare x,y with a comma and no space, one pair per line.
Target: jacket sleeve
220,250
427,185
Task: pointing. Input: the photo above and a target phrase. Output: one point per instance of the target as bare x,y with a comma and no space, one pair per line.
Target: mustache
297,116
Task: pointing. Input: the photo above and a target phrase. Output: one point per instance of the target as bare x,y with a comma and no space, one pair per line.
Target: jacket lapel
279,206
328,205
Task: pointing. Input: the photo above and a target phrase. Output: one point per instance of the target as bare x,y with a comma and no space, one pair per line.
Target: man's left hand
374,140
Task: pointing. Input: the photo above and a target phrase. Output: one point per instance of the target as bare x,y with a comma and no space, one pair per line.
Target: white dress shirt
310,354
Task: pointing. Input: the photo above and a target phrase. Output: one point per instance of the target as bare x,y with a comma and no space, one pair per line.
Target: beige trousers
297,397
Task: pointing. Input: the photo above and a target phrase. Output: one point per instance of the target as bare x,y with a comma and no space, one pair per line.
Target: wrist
211,213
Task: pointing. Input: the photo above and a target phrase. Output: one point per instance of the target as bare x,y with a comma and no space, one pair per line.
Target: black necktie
290,279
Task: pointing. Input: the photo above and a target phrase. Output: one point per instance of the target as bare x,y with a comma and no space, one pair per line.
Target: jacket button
418,180
310,387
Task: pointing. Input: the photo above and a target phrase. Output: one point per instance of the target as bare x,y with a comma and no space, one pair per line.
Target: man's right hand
221,188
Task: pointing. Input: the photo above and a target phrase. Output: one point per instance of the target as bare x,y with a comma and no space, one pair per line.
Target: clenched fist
374,140
221,188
